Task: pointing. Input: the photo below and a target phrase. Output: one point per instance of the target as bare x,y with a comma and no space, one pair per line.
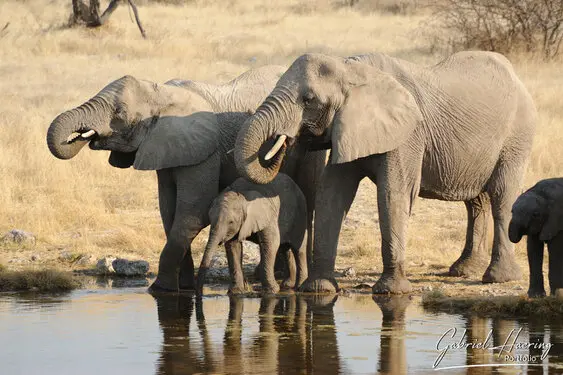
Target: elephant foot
271,289
392,284
536,292
157,288
467,266
320,286
187,286
287,284
240,289
502,272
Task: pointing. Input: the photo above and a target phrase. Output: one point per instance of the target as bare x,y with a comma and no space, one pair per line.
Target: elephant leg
269,239
398,185
503,192
335,195
166,198
286,252
308,176
234,257
535,263
300,254
555,248
471,259
192,203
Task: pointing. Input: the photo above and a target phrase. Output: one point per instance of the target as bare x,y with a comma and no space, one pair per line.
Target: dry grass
84,206
511,306
36,280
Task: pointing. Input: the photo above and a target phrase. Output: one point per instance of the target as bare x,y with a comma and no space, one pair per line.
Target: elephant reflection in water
503,333
393,354
296,334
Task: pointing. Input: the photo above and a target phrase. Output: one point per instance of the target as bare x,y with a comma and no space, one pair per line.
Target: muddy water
127,331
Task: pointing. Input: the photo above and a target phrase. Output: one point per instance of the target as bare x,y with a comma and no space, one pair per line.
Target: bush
402,7
34,280
503,26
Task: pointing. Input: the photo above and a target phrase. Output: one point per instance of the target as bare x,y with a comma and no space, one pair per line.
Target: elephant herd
276,156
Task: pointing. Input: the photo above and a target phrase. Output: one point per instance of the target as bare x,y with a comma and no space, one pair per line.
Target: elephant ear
553,224
259,213
377,116
176,141
121,159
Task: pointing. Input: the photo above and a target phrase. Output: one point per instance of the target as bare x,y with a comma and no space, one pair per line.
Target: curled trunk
72,130
255,139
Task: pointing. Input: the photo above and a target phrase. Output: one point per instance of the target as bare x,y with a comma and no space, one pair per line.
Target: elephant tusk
274,150
72,137
88,134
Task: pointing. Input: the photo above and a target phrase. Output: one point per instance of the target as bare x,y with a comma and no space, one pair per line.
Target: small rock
427,288
124,267
85,260
35,258
559,293
349,272
362,286
17,236
105,265
518,287
66,256
218,261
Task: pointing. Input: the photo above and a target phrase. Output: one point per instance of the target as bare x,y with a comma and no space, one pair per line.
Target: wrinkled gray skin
460,130
538,214
276,213
185,131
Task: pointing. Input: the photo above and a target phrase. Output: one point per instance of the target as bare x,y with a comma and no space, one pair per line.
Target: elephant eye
308,98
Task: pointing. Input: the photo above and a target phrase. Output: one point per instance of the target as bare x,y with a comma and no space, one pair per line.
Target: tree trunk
89,14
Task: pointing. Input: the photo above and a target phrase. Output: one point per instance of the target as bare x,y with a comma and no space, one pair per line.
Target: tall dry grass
85,206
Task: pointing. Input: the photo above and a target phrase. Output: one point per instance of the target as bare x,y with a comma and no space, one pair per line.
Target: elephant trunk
72,130
262,141
515,231
214,240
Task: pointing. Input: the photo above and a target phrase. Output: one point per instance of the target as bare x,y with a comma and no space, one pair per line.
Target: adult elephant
185,131
460,130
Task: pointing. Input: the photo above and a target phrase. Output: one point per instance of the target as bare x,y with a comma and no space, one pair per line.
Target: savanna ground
83,206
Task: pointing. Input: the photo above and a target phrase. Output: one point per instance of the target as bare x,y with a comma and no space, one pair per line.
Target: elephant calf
271,215
538,213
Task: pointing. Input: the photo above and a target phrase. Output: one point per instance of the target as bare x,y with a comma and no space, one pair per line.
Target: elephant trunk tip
515,232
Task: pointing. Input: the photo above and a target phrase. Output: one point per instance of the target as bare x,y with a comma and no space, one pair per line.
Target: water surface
128,331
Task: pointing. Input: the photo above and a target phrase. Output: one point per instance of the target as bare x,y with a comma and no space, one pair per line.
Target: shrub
37,280
534,26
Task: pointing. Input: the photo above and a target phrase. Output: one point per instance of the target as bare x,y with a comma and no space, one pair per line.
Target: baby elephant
538,213
270,215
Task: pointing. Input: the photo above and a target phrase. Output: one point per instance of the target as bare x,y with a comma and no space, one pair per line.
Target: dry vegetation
506,306
37,280
84,206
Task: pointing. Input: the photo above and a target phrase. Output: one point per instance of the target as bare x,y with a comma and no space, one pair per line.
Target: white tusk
72,137
274,150
88,134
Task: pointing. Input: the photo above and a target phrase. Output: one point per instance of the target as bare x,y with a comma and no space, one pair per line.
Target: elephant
276,214
538,214
185,131
460,130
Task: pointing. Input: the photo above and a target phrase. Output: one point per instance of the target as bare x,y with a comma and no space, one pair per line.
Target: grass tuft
499,306
36,280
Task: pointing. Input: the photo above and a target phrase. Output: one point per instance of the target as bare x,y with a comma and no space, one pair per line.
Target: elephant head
138,122
537,212
349,106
